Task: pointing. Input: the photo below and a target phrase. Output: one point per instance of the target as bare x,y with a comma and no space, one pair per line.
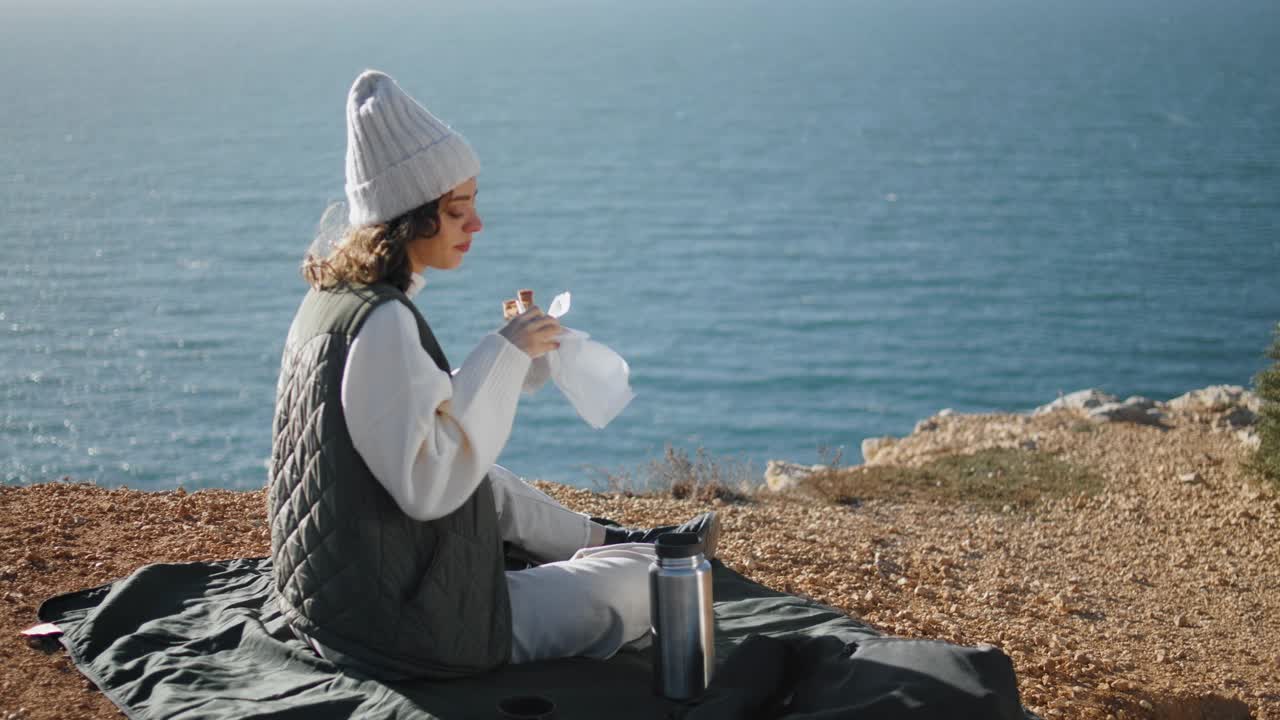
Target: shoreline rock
1222,408
780,475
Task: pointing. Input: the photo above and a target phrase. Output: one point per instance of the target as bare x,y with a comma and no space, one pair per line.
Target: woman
388,515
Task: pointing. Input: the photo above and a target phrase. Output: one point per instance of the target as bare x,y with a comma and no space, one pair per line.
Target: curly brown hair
374,253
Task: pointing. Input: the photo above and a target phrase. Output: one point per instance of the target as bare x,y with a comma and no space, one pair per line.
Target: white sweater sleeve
428,437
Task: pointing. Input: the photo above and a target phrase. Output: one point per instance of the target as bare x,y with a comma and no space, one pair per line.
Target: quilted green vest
351,570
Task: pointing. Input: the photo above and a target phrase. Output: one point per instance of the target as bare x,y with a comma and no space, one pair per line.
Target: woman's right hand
532,331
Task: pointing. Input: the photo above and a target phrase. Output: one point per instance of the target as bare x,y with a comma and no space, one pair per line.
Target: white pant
583,601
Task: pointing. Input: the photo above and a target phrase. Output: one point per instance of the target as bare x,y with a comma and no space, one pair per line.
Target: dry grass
701,478
996,478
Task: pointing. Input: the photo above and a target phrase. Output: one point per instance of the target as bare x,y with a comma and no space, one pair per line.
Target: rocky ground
1155,594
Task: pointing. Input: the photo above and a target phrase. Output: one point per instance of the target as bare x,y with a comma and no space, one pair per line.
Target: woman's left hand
533,331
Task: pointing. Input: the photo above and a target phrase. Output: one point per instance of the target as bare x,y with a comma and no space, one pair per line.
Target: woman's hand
532,331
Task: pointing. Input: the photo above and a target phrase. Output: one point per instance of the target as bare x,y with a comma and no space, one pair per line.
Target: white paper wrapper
594,378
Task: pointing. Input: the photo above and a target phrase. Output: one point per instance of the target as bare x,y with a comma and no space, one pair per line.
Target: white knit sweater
429,437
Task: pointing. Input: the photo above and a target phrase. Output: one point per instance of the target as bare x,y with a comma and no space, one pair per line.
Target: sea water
803,224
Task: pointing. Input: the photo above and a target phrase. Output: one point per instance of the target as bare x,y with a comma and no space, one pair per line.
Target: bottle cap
678,545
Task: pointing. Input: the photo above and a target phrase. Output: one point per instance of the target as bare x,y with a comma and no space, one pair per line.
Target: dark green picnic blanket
202,640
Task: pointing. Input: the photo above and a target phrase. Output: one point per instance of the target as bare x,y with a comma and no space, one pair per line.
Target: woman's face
458,222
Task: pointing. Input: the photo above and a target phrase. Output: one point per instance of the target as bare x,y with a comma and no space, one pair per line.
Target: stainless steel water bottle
681,617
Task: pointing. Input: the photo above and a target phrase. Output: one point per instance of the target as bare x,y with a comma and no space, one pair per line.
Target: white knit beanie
399,155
